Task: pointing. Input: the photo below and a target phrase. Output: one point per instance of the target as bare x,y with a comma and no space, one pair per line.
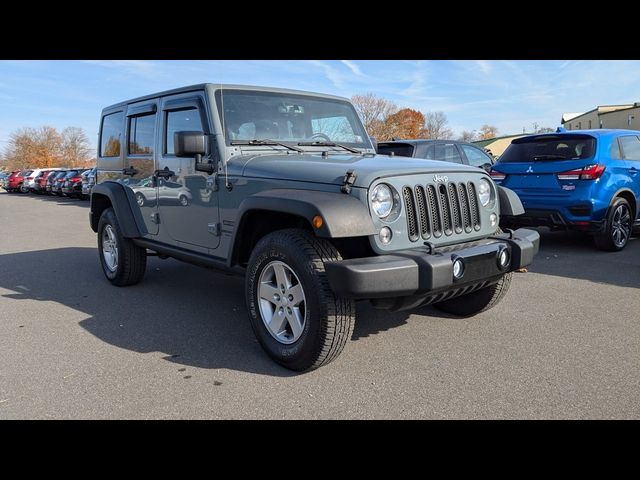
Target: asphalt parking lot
564,344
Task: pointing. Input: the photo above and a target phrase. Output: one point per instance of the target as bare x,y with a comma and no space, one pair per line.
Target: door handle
164,173
130,171
633,170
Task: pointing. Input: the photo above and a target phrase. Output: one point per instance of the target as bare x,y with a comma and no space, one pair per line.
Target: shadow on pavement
193,316
574,255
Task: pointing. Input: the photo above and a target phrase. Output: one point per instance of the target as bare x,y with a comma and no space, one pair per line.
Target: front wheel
123,262
479,301
618,227
295,315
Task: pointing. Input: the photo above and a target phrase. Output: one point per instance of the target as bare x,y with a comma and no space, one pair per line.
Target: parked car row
64,182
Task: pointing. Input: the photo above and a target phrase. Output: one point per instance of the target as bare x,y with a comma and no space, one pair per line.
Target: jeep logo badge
440,178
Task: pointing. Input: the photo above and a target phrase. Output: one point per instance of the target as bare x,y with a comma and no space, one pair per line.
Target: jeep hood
332,168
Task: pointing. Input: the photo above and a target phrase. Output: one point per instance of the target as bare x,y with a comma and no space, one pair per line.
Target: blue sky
508,94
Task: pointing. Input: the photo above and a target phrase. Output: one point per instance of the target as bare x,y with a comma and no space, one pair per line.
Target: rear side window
400,149
111,133
615,150
476,157
141,134
447,152
181,121
630,147
549,147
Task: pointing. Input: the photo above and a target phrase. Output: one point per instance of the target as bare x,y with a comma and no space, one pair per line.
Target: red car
15,180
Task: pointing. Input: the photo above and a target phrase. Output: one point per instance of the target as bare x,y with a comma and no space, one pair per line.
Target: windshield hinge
349,180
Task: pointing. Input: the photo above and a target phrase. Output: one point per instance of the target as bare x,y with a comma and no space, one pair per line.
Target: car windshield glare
278,117
549,147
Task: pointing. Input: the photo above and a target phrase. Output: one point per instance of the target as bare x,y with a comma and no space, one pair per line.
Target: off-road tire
329,318
132,260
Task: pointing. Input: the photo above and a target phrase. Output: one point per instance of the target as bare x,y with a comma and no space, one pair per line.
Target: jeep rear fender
119,197
342,215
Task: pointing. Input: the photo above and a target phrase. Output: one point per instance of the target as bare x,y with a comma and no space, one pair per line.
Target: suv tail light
497,176
590,172
75,179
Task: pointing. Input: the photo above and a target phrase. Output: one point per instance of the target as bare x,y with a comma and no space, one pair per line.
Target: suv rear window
401,149
549,147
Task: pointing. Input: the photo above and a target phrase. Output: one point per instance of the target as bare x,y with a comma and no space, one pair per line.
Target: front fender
130,221
510,203
342,215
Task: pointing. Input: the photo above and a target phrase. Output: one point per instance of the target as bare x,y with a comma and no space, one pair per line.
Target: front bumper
417,272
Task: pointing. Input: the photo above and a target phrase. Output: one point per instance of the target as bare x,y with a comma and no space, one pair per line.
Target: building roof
601,109
570,116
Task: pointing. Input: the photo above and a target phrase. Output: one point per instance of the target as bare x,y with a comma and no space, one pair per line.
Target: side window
630,147
181,121
615,150
141,134
111,133
476,157
447,152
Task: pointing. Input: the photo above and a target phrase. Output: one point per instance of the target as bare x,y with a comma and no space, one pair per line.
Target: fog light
503,258
493,219
385,235
458,268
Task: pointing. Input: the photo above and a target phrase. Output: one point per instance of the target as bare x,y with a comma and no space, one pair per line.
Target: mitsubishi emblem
530,169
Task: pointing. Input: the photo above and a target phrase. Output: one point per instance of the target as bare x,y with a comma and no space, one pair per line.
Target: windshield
251,115
549,147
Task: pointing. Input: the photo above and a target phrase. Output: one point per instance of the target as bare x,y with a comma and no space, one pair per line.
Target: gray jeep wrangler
285,187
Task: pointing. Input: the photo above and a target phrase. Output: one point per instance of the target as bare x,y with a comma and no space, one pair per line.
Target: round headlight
484,192
381,200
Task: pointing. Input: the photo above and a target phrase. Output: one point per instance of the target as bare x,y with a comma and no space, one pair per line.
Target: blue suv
586,180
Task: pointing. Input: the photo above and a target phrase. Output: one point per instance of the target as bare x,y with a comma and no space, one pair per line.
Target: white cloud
353,67
484,66
331,73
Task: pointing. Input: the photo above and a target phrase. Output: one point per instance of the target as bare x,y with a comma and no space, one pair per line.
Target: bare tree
468,136
436,126
488,131
544,130
373,111
76,149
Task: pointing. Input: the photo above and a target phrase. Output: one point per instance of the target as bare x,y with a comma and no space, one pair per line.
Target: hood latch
349,180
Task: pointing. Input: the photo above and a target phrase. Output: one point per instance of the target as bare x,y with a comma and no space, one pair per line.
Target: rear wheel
297,318
619,224
123,262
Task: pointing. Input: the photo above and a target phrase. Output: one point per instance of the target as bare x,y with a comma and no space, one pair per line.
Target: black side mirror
189,144
486,167
193,144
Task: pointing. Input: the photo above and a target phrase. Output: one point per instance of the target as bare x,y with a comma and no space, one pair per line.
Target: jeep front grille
441,209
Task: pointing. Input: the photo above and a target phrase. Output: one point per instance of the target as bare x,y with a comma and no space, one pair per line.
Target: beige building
605,116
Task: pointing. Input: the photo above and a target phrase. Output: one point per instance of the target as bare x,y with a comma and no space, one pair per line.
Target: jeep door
187,199
140,160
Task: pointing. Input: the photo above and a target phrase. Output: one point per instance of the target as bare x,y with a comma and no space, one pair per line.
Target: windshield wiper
549,157
328,144
266,141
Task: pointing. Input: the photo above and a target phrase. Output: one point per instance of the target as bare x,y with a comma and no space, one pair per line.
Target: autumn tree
488,131
374,111
45,147
436,126
405,123
468,136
